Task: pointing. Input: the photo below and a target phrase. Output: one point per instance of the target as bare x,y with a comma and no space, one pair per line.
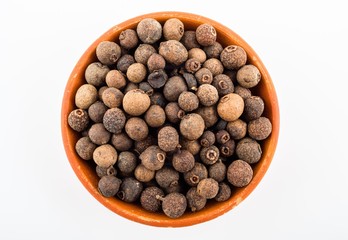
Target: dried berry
168,139
143,174
192,65
149,199
243,92
206,34
173,88
209,115
230,107
100,91
85,96
173,52
207,139
214,65
249,150
157,78
227,149
116,79
233,57
198,54
130,190
213,51
192,126
196,174
204,76
224,192
114,120
105,156
158,99
189,40
183,161
153,158
188,101
101,172
143,53
112,97
248,76
96,111
223,84
174,205
126,162
140,146
136,128
108,52
128,39
155,62
260,129
136,102
173,112
146,87
193,146
207,95
174,188
217,171
130,86
195,201
253,108
191,81
208,188
237,129
98,134
109,185
78,120
85,148
95,73
149,30
222,136
124,62
239,173
155,116
167,177
136,72
220,125
173,29
209,155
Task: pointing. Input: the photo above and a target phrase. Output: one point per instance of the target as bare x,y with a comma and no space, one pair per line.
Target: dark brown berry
149,199
96,111
192,126
209,155
85,96
174,205
85,148
173,29
173,88
233,57
195,201
100,92
101,172
130,190
128,39
260,129
249,150
237,129
207,139
209,115
168,139
155,116
114,120
230,107
191,81
189,40
143,53
222,136
204,76
223,84
188,101
146,87
142,174
136,102
207,95
109,185
239,173
95,73
149,30
124,62
196,174
105,155
98,134
253,108
167,177
153,158
243,92
112,97
136,128
173,52
183,161
130,86
214,65
248,76
173,112
213,51
78,120
140,146
116,79
193,146
158,99
217,171
192,65
227,149
208,188
198,54
177,188
157,78
136,72
220,125
108,52
155,62
224,192
206,34
126,162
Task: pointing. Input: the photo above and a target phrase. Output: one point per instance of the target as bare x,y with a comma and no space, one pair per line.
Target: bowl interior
85,170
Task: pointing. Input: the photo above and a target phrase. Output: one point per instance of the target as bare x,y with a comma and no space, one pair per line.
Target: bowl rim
130,211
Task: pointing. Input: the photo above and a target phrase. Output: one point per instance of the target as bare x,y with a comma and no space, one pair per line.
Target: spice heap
168,117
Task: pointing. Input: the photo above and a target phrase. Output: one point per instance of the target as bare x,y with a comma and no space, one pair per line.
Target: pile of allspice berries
168,119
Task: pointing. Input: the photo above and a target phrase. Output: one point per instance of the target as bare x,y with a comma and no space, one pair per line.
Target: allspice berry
207,95
214,65
112,97
192,126
204,76
142,145
109,185
158,99
223,84
183,161
114,120
78,120
174,205
196,174
248,76
191,81
217,171
130,86
230,107
153,158
209,155
209,115
193,146
108,52
85,96
188,101
130,190
157,78
101,172
222,136
239,173
173,88
98,134
206,34
249,150
260,129
173,52
126,162
224,193
192,65
121,141
116,79
207,139
198,54
128,39
155,62
95,73
105,156
149,30
155,116
149,200
85,148
143,174
146,87
100,91
233,57
208,188
213,51
136,102
143,53
96,111
167,177
136,72
227,149
173,29
124,62
136,128
173,112
189,40
253,108
243,92
195,201
237,129
168,139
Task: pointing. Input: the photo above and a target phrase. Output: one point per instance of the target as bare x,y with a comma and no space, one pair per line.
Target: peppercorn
192,126
208,188
143,53
249,150
143,174
173,112
130,190
173,52
206,34
248,76
95,73
109,185
101,172
173,29
146,87
188,101
155,116
243,92
196,174
136,102
207,139
237,129
217,171
96,111
227,149
189,40
239,173
207,95
126,162
85,148
193,146
167,177
149,200
230,107
149,30
233,57
222,136
213,51
124,62
85,96
116,79
121,141
260,129
223,84
224,192
108,52
174,204
209,155
98,134
195,201
209,115
155,62
221,125
183,161
112,97
204,76
105,156
158,99
136,128
128,39
157,78
114,120
140,146
100,92
130,86
214,65
192,65
197,54
78,120
136,72
191,81
178,188
153,158
168,139
253,108
173,88
232,74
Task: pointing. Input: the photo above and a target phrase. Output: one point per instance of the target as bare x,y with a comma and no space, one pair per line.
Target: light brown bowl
86,173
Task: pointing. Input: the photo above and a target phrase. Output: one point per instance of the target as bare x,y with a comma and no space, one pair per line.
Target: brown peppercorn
85,148
204,76
153,158
85,96
96,111
109,185
108,52
112,97
195,201
168,139
192,126
155,116
209,115
142,174
224,192
173,112
136,128
207,139
188,101
178,188
189,40
98,134
124,62
149,30
105,156
136,72
248,76
183,161
249,150
209,155
206,34
136,102
227,149
130,86
198,54
157,78
222,136
128,39
149,200
116,79
158,99
196,174
155,62
192,65
232,74
173,29
220,125
191,81
223,84
239,173
100,92
130,190
230,107
192,146
253,108
78,120
208,188
95,73
167,177
114,120
260,129
173,52
237,129
233,57
217,171
143,53
126,162
207,95
142,145
173,88
146,87
214,65
101,172
243,92
174,204
213,51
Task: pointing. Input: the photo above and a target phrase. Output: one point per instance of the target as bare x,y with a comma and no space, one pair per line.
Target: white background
303,195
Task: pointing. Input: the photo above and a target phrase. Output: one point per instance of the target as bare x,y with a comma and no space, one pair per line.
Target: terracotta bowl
86,171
